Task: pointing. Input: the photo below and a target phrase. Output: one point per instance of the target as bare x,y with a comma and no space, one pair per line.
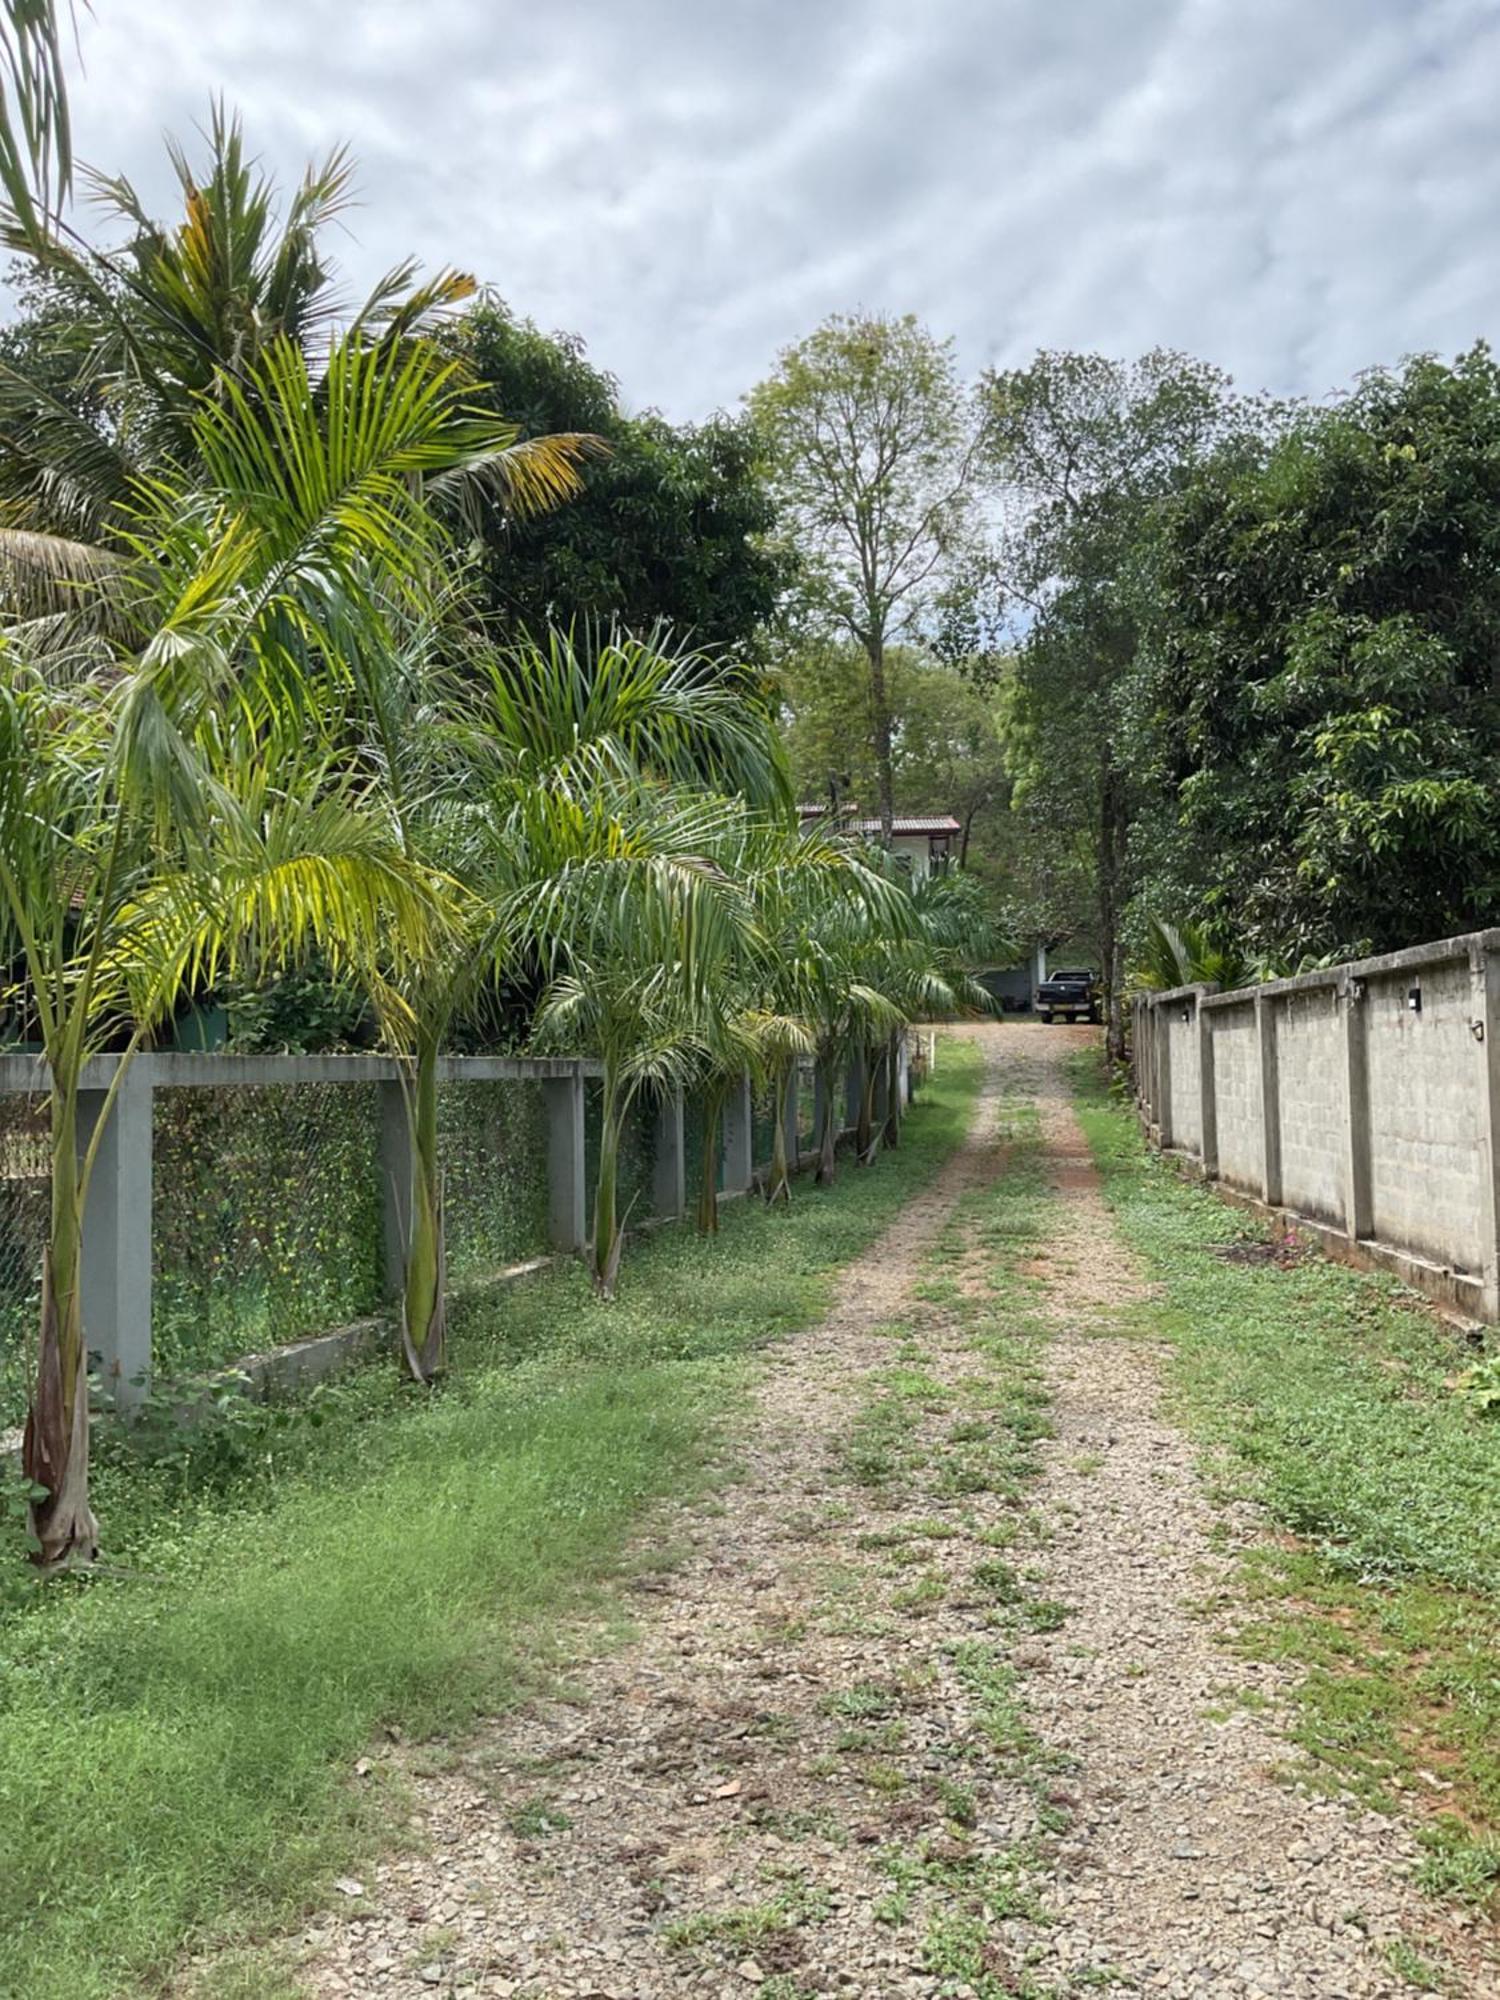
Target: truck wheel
1048,1019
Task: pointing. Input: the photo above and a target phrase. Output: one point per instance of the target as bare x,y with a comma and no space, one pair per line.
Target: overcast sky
1293,188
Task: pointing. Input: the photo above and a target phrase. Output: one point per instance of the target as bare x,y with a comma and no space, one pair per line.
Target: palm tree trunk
708,1176
55,1448
609,1232
779,1186
424,1310
893,1104
828,1135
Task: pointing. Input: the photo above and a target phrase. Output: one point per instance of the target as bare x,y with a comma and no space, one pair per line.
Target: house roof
910,823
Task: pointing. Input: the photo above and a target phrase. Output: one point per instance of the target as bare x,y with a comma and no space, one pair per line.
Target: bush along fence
251,1211
1362,1103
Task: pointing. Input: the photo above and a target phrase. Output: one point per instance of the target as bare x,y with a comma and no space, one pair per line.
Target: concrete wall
1424,1115
117,1233
1362,1102
1236,1058
1310,1095
1186,1099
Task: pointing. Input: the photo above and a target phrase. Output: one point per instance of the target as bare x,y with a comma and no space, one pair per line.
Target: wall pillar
854,1089
1270,1101
669,1177
1484,1026
1162,1036
739,1139
567,1194
116,1252
1352,1004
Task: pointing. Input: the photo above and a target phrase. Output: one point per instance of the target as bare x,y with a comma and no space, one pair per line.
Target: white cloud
1294,190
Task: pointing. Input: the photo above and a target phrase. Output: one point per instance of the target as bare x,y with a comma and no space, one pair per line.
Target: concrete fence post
739,1139
669,1177
820,1101
1484,1026
1270,1101
567,1193
1350,1000
1208,1107
116,1253
903,1072
395,1157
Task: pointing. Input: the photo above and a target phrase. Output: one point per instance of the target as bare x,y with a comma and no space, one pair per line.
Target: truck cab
1068,996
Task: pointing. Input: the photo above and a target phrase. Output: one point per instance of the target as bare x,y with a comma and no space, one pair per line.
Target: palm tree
640,934
503,768
145,834
176,315
36,153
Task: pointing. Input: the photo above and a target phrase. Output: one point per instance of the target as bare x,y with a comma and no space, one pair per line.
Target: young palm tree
36,152
640,934
503,768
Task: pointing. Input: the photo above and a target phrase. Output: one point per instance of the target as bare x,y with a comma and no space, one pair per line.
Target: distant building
926,841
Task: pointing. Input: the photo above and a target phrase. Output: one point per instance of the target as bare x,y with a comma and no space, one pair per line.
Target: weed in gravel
534,1819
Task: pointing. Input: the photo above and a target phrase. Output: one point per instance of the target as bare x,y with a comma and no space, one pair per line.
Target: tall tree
947,752
1322,717
870,442
1082,449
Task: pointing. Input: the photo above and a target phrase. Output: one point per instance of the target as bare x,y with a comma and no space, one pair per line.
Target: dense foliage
673,526
1321,700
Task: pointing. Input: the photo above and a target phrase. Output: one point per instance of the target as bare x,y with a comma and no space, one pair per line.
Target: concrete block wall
1237,1084
1362,1102
1310,1099
1185,1102
1424,1113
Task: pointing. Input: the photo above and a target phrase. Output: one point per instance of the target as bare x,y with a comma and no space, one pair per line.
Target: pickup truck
1068,996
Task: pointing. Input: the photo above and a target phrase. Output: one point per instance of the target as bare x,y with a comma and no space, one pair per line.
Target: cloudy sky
1293,188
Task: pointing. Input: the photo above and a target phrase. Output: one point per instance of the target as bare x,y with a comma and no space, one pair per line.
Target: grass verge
1330,1390
176,1735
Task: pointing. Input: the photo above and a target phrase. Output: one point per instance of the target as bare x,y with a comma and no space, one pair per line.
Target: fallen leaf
729,1791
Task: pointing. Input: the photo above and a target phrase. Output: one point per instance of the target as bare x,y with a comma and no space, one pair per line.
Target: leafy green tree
947,749
672,528
1322,721
1083,449
870,443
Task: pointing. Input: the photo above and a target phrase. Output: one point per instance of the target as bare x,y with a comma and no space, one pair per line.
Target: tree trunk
880,708
55,1447
424,1307
893,1104
708,1175
609,1232
1112,836
779,1186
828,1134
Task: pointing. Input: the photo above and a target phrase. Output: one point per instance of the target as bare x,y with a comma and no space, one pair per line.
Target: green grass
177,1736
1328,1392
